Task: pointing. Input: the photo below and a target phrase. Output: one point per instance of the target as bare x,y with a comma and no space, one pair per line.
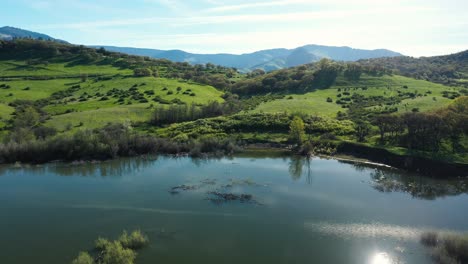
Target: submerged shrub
101,243
135,240
121,251
83,258
115,253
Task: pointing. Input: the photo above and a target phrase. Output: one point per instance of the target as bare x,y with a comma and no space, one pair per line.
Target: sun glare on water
381,258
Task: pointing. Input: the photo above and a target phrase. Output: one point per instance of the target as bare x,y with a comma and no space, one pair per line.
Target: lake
301,210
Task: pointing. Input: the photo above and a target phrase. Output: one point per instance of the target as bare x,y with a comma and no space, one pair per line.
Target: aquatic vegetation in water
446,248
183,187
134,240
218,197
246,182
121,251
116,253
83,258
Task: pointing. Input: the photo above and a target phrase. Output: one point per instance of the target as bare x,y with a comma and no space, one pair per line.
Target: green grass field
69,111
159,86
32,90
21,68
91,104
5,114
100,117
316,102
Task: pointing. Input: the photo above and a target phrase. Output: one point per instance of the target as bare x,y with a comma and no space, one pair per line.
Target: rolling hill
79,86
268,60
9,33
448,69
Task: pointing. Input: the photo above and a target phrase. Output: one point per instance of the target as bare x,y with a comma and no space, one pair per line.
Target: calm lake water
303,211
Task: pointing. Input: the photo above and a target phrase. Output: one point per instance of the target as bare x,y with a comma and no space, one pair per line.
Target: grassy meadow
386,86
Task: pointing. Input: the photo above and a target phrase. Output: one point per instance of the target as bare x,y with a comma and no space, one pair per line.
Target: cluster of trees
441,69
257,123
426,131
176,113
27,124
303,78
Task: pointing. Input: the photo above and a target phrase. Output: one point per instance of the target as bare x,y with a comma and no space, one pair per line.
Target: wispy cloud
225,8
288,3
336,15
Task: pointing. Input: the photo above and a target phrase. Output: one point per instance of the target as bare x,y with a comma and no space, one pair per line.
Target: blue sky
412,27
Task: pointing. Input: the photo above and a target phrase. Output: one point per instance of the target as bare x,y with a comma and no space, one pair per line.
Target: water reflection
385,180
111,168
297,165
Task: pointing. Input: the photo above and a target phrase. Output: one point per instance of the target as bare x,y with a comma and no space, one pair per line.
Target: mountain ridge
268,60
9,33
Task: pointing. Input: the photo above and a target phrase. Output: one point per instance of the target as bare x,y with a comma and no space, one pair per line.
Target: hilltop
9,33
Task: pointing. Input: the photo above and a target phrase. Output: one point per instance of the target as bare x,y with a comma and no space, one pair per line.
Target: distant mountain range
9,33
268,60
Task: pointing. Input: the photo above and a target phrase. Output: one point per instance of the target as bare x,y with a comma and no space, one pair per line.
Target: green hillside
55,97
448,69
428,96
78,86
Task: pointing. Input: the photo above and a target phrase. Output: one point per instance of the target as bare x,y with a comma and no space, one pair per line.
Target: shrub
136,240
115,253
328,136
83,258
101,243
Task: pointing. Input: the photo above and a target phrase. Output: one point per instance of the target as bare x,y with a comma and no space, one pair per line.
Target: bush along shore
112,141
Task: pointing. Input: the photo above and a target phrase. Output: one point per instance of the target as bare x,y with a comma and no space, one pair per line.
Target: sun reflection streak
381,258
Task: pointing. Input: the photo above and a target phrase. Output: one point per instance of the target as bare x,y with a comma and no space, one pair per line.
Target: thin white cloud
278,3
336,15
237,7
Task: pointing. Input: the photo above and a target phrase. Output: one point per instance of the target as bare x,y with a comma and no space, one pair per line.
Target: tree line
426,131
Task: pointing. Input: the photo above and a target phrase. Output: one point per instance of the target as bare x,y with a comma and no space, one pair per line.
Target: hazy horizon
414,28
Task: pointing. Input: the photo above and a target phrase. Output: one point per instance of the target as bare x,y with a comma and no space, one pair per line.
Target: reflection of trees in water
111,168
198,161
418,186
297,165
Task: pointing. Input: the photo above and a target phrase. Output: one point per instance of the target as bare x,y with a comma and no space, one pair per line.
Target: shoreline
358,154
